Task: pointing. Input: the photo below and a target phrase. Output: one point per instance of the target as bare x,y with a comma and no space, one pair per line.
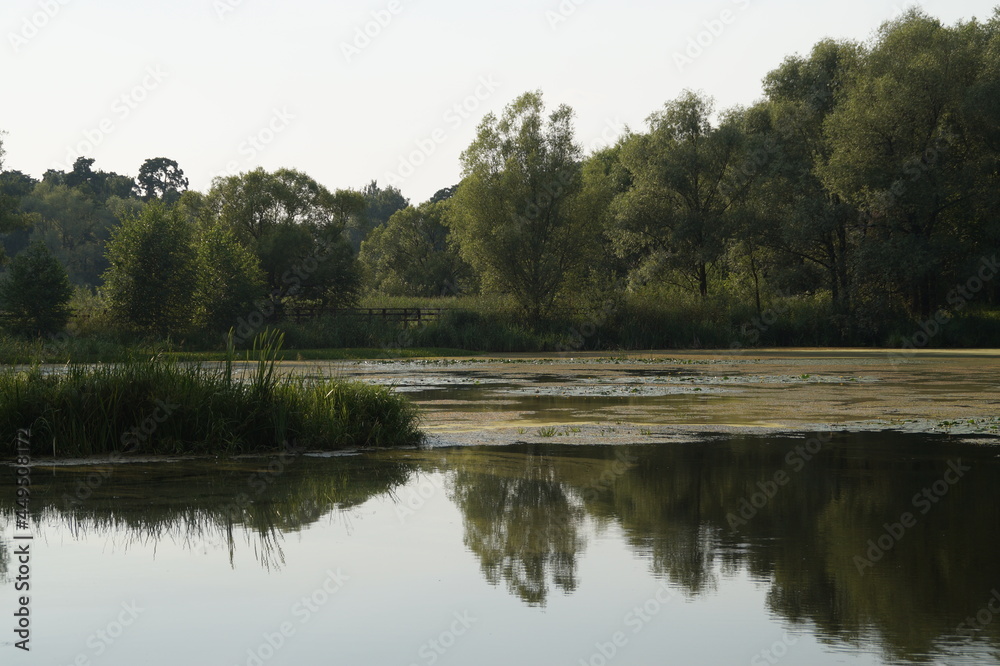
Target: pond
828,548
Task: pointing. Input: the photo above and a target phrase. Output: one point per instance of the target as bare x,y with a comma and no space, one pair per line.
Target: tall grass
153,405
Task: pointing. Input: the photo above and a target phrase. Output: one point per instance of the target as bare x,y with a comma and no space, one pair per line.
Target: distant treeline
865,183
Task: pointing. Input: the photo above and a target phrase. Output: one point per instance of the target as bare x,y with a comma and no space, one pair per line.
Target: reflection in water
699,514
519,521
679,506
201,504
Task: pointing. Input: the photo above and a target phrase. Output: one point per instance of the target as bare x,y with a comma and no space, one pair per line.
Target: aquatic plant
155,405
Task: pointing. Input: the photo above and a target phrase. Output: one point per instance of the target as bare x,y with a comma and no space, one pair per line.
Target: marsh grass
154,405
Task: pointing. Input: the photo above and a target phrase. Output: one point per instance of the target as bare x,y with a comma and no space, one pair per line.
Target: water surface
729,550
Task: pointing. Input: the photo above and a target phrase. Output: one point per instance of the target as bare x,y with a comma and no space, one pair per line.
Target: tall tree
295,227
796,215
677,212
161,178
903,151
516,218
153,271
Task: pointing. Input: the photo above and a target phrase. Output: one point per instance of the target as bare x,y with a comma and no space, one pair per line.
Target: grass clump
155,405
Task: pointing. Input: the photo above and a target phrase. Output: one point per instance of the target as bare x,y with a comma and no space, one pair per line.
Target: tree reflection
200,504
520,522
523,508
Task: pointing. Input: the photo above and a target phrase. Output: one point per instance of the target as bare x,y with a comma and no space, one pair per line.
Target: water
729,550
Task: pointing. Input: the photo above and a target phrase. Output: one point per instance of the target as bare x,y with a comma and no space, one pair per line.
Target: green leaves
153,271
36,291
516,222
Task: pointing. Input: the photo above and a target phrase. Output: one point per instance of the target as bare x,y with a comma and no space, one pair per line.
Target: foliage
152,405
515,217
414,255
229,280
36,291
153,271
295,227
161,178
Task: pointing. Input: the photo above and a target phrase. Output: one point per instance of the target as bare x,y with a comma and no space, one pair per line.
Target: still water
833,549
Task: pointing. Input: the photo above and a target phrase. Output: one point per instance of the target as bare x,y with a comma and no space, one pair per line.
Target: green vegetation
813,216
160,406
36,292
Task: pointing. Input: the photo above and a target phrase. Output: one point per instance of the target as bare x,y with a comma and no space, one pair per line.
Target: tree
380,205
904,150
36,292
295,227
73,226
229,279
680,209
161,178
413,255
97,185
795,230
153,271
15,224
515,216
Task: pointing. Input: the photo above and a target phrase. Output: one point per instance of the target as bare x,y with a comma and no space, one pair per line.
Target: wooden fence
403,315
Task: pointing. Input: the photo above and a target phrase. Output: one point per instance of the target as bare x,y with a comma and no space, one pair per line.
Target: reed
155,405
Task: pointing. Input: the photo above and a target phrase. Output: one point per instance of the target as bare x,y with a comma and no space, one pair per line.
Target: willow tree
516,216
909,146
685,188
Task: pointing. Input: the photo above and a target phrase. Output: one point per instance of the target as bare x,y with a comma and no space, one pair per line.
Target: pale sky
230,85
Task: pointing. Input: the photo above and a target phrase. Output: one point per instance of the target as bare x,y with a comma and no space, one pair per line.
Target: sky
386,90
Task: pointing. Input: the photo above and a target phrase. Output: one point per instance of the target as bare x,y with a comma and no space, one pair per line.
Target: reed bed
155,405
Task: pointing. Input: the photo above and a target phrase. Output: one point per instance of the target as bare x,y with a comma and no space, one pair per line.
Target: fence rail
403,315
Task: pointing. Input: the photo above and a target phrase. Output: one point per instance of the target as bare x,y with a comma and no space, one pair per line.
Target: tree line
864,181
